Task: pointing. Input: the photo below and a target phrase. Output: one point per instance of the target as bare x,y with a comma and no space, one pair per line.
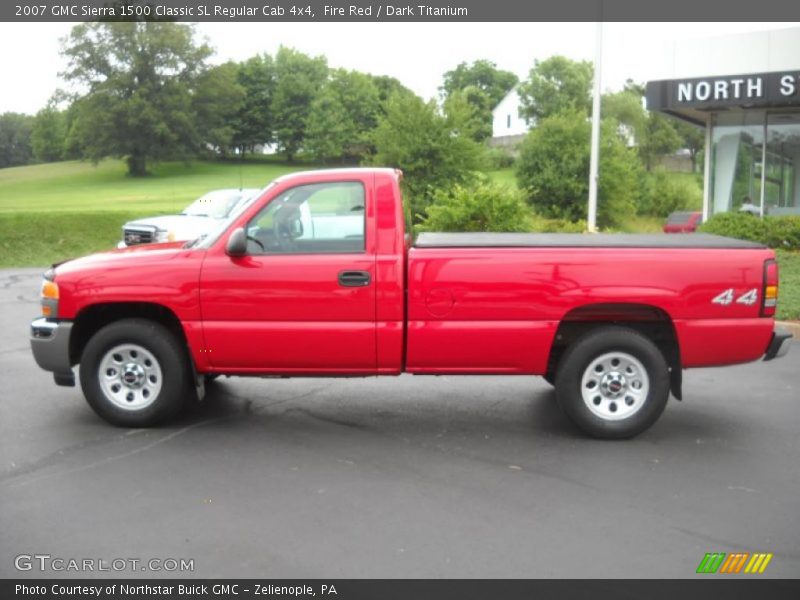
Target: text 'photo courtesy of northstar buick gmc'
315,276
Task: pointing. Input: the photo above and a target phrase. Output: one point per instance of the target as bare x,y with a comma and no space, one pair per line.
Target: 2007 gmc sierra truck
315,277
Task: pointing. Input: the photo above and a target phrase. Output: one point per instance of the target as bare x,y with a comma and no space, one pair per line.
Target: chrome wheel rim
130,377
615,386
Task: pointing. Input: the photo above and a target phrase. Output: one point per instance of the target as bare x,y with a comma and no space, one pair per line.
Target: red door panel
288,313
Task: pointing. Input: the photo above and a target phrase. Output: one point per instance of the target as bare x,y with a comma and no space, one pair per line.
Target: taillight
769,300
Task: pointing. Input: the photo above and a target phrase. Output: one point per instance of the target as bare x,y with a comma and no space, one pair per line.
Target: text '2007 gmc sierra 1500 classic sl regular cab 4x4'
316,278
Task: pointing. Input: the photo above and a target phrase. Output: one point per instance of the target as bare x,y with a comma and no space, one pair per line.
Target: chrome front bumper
50,347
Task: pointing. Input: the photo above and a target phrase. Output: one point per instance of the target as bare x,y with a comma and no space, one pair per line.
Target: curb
792,326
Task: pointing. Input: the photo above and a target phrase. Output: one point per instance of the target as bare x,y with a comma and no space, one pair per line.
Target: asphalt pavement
397,477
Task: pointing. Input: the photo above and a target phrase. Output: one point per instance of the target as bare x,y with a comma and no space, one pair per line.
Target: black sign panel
763,90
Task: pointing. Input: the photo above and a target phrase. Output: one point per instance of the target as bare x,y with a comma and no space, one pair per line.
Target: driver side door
302,300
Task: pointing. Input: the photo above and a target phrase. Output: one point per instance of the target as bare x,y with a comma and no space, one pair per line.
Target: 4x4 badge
724,298
749,298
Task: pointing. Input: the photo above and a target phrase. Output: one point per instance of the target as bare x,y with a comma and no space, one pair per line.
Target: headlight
49,298
164,235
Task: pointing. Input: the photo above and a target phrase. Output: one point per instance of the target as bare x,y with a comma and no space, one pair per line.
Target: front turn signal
50,290
49,297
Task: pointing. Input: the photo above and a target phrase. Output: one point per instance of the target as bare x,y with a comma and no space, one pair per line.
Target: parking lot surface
406,477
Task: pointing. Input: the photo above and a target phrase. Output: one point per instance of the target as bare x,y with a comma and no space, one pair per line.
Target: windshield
217,204
208,239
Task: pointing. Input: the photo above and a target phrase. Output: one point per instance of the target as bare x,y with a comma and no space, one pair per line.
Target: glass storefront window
737,154
781,183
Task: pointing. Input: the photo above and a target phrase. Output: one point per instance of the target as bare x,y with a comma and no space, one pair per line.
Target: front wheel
133,373
613,383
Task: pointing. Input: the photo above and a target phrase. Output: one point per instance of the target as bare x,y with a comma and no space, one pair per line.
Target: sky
418,54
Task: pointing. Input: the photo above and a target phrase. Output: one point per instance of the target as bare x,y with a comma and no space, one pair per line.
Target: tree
49,134
469,111
140,79
342,117
693,138
217,100
15,139
483,86
553,168
626,108
299,79
418,138
660,137
654,134
483,75
484,206
254,121
556,84
387,87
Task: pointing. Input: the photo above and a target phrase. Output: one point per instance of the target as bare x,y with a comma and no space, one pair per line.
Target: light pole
591,221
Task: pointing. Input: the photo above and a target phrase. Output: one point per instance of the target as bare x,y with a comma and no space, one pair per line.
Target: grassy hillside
80,186
56,211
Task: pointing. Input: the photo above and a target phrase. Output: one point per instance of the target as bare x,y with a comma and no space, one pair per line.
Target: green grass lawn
56,211
80,186
38,239
503,176
789,288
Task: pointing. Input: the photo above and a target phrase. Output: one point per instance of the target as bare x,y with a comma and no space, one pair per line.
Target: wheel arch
649,320
94,317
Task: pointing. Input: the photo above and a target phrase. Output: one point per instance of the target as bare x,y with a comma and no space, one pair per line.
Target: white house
508,128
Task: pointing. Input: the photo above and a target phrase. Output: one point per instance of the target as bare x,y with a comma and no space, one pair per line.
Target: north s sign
751,90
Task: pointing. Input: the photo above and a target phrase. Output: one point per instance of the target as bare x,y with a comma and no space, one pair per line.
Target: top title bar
413,11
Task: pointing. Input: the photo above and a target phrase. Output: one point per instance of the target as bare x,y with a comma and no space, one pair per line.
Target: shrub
783,232
500,158
424,142
553,168
772,231
483,206
542,225
664,193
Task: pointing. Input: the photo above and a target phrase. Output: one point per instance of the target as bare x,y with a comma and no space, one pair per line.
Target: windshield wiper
195,241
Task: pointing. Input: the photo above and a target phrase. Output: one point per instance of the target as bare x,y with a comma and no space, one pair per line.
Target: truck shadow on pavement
533,413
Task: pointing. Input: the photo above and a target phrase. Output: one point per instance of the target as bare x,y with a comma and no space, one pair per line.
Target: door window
311,219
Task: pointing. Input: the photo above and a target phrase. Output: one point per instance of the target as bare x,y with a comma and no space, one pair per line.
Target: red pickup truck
315,276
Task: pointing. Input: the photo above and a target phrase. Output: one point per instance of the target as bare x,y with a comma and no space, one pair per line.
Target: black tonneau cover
580,240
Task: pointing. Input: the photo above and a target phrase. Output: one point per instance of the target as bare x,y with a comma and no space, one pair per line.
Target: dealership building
744,90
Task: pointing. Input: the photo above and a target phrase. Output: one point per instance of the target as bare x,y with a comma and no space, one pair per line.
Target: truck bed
580,240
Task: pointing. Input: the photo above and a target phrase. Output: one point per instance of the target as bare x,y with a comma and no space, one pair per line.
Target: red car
683,222
315,278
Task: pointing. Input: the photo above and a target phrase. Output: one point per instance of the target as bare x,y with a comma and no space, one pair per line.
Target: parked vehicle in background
315,277
199,218
683,222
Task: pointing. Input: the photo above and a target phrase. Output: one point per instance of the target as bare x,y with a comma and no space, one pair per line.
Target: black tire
150,343
596,350
549,378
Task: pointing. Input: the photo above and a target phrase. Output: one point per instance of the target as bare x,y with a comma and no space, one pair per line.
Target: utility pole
591,221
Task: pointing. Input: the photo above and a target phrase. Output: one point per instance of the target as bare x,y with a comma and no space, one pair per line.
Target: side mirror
237,243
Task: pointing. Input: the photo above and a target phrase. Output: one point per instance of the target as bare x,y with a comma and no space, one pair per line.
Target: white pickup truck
199,218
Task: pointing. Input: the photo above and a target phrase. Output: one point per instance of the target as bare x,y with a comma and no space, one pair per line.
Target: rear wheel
613,383
133,373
